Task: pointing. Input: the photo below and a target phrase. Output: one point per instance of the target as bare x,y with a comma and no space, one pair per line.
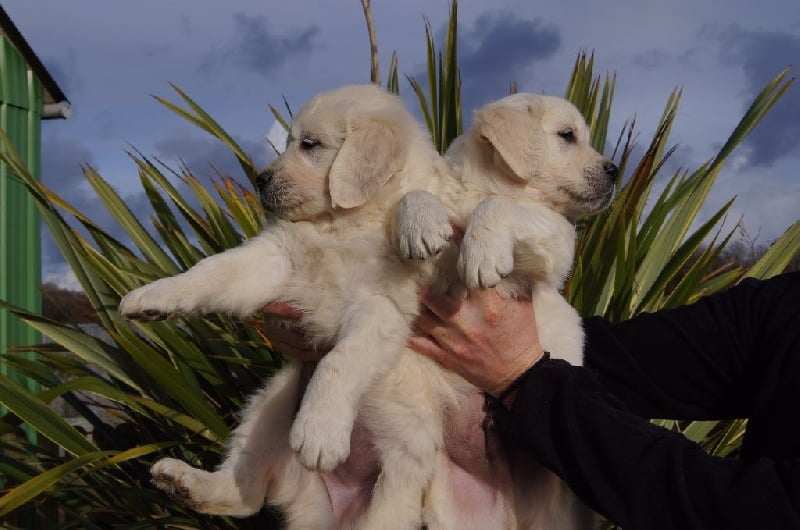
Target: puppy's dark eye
568,135
307,144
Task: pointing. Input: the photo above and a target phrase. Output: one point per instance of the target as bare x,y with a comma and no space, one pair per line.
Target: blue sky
238,56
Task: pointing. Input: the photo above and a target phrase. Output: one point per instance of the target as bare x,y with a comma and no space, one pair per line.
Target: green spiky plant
174,388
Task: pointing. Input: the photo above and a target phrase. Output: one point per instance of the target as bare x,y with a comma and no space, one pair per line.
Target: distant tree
741,252
745,251
67,306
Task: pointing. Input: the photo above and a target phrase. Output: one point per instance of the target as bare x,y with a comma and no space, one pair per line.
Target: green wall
21,101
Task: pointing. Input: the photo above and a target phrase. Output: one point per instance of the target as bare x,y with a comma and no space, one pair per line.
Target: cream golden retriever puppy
419,456
526,172
351,155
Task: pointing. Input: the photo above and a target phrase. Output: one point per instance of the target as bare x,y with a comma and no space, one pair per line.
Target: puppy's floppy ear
516,134
375,148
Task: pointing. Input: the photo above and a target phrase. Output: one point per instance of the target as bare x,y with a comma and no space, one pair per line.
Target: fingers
425,345
286,337
293,344
279,334
485,297
448,307
445,334
427,322
282,309
303,355
458,233
441,305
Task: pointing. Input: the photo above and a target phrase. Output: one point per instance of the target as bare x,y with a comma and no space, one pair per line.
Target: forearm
717,358
636,474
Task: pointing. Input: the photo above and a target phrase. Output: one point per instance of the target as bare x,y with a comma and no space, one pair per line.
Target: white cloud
62,276
766,199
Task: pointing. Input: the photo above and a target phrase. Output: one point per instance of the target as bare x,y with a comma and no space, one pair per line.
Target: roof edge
19,42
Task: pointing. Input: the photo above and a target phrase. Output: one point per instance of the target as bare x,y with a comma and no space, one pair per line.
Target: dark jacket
735,354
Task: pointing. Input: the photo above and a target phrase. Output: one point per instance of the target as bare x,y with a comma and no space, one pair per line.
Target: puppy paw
486,260
426,239
212,493
174,477
321,441
155,301
178,479
422,226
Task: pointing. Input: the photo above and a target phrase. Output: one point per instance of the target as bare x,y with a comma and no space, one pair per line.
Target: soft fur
526,173
351,157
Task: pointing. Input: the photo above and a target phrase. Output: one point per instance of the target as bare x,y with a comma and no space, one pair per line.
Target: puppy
351,155
526,172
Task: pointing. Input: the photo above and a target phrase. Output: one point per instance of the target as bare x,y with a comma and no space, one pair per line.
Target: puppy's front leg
502,236
372,337
421,225
237,281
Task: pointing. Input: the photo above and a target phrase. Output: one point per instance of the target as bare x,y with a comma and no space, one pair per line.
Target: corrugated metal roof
53,93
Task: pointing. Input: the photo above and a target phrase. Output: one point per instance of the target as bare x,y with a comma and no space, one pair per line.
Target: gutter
54,111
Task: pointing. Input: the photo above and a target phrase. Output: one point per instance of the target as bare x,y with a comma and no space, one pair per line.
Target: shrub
155,388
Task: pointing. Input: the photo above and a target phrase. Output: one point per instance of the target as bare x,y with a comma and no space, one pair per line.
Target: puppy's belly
350,485
476,474
465,438
474,482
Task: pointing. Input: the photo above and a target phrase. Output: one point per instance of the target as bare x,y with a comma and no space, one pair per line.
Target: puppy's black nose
264,178
611,169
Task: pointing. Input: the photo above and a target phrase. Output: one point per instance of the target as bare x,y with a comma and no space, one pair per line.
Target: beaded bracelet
515,384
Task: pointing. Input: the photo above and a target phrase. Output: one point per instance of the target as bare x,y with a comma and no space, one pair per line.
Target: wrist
514,369
508,401
507,396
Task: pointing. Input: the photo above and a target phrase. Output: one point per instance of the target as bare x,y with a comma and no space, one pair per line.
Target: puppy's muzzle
264,185
610,169
264,179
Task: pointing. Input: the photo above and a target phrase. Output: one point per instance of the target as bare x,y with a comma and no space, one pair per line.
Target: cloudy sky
236,57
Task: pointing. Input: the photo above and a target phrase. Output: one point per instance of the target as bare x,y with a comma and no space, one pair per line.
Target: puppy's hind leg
239,485
259,464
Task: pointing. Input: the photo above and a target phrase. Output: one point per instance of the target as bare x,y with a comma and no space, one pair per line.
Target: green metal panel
21,101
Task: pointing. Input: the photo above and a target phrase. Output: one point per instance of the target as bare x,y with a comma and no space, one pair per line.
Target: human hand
490,341
282,328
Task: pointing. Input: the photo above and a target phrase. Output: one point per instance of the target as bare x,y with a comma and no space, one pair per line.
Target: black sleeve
735,354
638,475
715,359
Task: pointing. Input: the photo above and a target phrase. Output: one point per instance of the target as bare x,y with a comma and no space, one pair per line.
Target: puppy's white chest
330,276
